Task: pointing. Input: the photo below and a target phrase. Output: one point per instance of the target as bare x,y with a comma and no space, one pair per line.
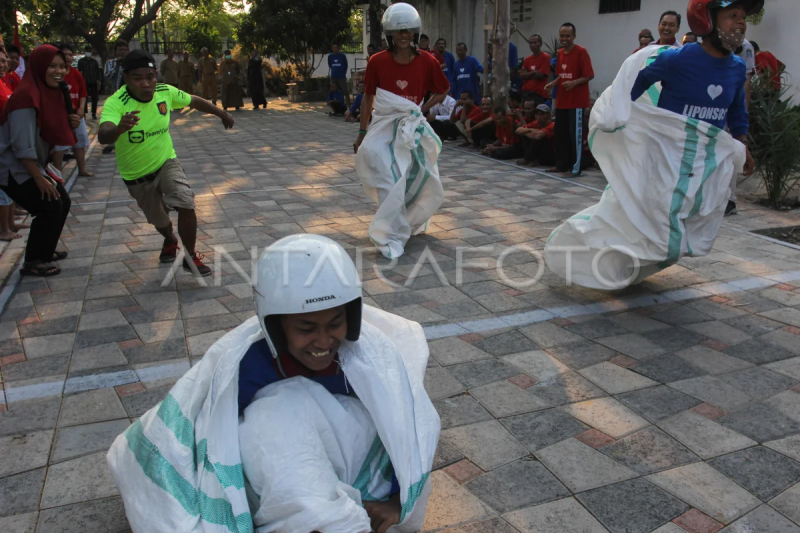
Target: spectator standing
507,144
645,39
513,67
208,75
186,74
77,94
336,100
8,226
136,118
668,27
337,63
537,137
113,72
439,118
689,38
370,50
535,72
355,110
769,66
449,59
93,76
12,78
38,118
574,72
169,69
255,80
424,45
231,84
465,72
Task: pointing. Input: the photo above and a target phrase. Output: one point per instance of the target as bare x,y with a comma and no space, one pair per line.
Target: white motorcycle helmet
401,16
302,274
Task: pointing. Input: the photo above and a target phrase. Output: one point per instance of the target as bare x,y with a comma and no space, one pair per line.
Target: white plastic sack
179,467
396,164
668,185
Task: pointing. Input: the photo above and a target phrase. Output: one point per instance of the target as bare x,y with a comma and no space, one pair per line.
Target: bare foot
9,236
17,227
86,174
20,213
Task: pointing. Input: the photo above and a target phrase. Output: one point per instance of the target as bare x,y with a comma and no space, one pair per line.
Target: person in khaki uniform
208,75
186,74
231,84
169,69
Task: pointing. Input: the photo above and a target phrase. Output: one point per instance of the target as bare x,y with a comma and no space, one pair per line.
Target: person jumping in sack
707,81
136,120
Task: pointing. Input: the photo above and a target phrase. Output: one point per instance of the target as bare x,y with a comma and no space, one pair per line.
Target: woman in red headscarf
34,120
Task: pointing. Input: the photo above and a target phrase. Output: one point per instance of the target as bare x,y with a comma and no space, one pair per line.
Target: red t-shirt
410,81
77,87
542,64
766,62
11,80
569,67
435,53
476,115
549,130
507,133
5,93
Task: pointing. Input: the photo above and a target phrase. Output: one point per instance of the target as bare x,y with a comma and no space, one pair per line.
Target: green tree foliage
293,30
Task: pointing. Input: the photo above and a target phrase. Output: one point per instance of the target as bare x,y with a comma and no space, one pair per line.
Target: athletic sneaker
202,269
169,251
730,209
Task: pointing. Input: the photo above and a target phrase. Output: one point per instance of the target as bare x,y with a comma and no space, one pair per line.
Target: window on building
618,6
521,11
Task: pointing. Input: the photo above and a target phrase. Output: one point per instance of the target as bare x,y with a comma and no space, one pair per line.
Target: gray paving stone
568,387
53,365
633,345
783,338
788,503
23,523
503,399
451,504
157,351
548,335
102,319
712,361
516,485
704,437
720,331
487,444
445,455
657,403
753,325
763,472
581,354
541,429
555,517
788,403
92,337
106,515
761,422
788,315
29,415
49,327
20,493
705,488
614,379
440,384
758,383
91,406
495,525
580,467
99,356
506,343
596,328
636,323
48,345
77,441
667,368
138,404
762,520
453,350
713,390
482,372
24,452
759,351
460,411
538,364
674,339
78,480
649,450
634,506
608,415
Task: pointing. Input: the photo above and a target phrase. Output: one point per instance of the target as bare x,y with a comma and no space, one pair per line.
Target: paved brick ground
672,406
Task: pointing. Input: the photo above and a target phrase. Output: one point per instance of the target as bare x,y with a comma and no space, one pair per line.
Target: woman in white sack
396,159
310,417
665,154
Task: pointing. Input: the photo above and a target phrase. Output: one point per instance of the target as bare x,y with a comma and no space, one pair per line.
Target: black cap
137,59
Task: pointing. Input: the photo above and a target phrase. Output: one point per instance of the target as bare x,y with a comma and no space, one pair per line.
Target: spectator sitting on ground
336,100
353,113
668,26
465,115
507,145
537,138
515,106
690,37
440,118
645,39
483,132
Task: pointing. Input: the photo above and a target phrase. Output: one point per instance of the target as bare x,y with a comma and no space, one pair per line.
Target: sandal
41,270
58,256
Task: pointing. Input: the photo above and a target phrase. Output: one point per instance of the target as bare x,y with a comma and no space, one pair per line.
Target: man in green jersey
136,120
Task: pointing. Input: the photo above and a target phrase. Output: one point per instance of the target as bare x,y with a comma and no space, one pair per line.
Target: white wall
778,34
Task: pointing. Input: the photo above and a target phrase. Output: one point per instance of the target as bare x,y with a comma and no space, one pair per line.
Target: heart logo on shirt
564,66
462,70
714,91
402,84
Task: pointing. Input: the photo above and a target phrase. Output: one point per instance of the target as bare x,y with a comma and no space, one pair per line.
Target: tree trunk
500,71
374,23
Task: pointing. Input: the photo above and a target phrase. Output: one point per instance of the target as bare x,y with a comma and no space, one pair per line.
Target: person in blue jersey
707,81
337,63
353,113
449,59
465,73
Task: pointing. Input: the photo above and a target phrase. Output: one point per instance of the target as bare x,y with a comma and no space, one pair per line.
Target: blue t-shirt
700,86
335,96
449,61
553,71
338,65
256,372
513,56
356,107
465,77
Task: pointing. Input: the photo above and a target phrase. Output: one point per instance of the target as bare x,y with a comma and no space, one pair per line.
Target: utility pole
487,28
500,70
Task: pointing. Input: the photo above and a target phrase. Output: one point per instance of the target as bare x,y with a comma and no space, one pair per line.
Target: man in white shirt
439,119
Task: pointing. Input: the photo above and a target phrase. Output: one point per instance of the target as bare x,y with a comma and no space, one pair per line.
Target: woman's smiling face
314,339
56,71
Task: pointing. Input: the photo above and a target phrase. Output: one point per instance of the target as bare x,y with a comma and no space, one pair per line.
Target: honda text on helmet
702,16
305,274
401,17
